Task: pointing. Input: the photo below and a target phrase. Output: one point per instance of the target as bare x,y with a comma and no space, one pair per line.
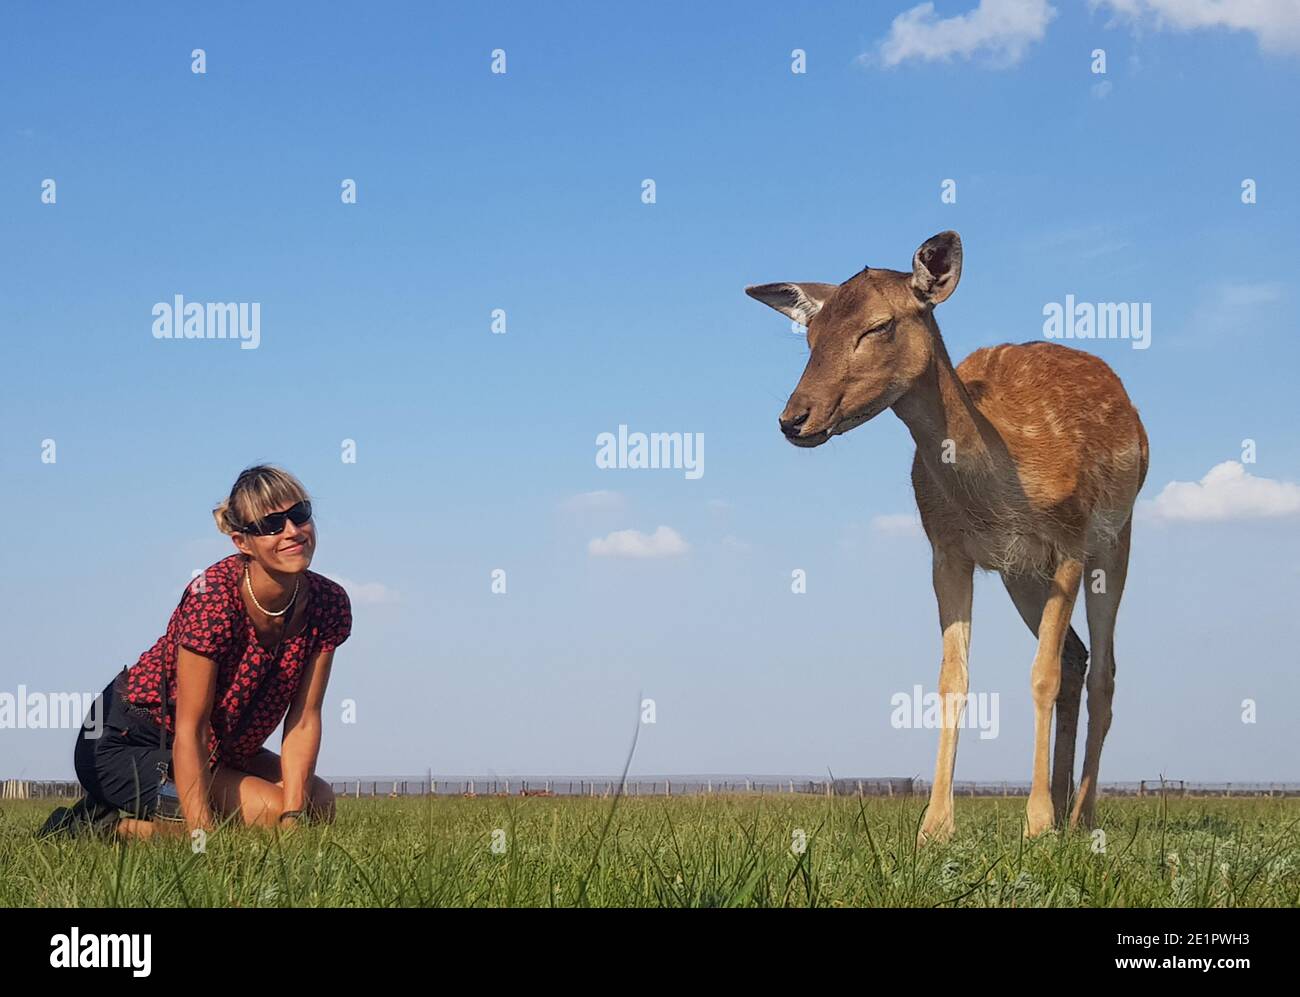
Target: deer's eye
875,330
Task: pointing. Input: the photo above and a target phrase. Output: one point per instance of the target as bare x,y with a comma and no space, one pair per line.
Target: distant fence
679,786
598,786
30,789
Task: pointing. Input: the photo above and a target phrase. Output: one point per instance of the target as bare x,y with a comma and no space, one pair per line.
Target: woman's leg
131,827
120,764
248,793
254,801
265,765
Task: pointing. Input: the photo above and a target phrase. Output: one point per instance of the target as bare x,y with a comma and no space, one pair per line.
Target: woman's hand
289,820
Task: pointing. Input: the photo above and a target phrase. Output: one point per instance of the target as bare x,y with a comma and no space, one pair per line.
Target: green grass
684,852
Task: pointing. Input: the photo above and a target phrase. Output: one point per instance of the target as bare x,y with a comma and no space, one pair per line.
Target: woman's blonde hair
258,490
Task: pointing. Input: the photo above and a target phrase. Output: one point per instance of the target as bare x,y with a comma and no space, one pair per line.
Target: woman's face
288,552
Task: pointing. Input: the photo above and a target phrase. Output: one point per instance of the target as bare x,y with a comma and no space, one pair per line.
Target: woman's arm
196,683
302,727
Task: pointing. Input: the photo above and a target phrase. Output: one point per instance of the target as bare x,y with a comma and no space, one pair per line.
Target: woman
253,639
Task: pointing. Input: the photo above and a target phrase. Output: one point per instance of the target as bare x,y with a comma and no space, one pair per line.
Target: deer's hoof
1038,820
936,833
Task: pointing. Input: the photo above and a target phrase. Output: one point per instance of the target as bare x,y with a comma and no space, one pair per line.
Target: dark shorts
128,765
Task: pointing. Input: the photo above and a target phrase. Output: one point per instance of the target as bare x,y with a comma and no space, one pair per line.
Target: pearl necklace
249,581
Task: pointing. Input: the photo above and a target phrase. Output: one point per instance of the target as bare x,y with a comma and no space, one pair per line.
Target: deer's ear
797,301
936,267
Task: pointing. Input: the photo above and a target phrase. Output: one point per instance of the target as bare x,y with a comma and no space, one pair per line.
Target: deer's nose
790,427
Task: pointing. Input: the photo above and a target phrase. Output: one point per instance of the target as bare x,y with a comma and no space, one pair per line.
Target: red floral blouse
253,691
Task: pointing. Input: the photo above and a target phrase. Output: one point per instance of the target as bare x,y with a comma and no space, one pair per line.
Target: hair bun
221,515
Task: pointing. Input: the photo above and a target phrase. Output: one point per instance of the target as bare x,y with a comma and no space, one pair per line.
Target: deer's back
1064,416
1069,450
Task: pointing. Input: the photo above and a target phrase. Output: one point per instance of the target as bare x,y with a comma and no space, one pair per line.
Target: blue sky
522,191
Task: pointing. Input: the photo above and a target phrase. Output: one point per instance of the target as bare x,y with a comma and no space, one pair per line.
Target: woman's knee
256,801
261,803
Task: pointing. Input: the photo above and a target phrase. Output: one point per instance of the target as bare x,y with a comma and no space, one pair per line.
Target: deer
1029,458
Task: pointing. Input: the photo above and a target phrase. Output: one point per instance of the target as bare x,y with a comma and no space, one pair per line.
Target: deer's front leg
1046,683
953,583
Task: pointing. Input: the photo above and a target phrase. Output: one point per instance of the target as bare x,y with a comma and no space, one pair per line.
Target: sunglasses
269,526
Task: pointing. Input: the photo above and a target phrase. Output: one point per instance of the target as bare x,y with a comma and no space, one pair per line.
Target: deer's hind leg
1029,593
1046,684
1107,570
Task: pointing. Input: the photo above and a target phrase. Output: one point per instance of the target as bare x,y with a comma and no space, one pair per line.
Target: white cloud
898,524
1081,242
366,593
1232,308
664,542
598,501
1228,491
1102,90
1000,29
1246,295
1274,23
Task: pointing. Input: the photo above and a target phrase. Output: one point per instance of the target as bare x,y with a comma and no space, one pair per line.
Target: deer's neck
942,418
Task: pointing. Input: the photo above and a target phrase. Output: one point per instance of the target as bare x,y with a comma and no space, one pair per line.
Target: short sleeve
338,619
207,618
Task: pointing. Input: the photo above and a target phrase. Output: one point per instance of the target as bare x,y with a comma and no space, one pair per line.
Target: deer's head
869,339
